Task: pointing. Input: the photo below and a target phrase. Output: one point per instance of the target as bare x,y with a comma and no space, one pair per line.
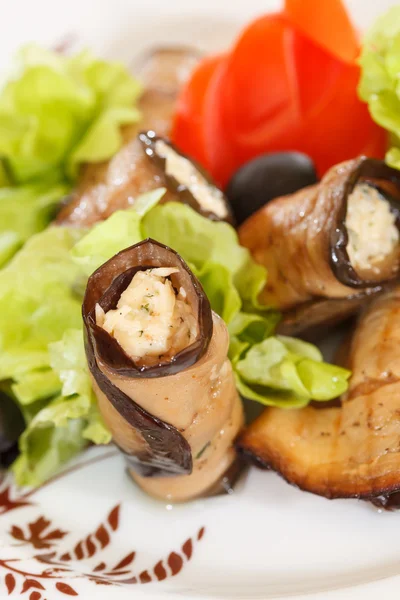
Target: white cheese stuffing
209,197
150,320
371,228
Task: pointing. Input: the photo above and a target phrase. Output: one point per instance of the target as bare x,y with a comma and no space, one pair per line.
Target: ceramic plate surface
90,533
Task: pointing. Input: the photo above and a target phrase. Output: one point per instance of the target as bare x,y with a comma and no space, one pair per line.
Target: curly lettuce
287,372
56,113
379,84
42,354
41,337
24,211
278,371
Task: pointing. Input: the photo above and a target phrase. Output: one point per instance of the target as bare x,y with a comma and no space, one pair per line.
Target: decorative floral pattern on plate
52,559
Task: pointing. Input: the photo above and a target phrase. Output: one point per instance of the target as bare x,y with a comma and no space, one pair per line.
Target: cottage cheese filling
151,319
371,228
208,196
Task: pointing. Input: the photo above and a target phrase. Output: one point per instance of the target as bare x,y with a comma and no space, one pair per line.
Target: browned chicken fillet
352,450
106,187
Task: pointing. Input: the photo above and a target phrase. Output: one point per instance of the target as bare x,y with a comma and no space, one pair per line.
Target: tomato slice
317,73
342,128
220,149
282,87
256,86
187,128
327,23
260,83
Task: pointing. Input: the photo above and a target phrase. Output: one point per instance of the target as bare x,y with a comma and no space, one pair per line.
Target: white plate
268,540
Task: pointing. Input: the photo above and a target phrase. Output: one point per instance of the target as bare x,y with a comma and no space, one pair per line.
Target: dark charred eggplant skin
148,140
390,502
267,177
12,424
313,319
105,287
227,482
387,180
168,451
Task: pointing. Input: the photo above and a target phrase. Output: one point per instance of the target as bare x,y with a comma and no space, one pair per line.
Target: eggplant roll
146,161
111,185
313,319
158,360
337,239
351,450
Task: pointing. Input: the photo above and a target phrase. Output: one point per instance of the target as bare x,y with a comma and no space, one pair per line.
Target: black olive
267,177
12,424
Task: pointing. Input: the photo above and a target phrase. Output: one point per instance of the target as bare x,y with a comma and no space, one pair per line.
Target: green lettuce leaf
249,329
37,302
42,353
379,84
25,210
43,356
217,282
287,372
203,242
121,230
60,111
273,370
224,283
56,113
61,428
44,449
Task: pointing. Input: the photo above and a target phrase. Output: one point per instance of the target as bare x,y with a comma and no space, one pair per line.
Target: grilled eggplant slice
351,451
173,409
312,320
106,187
185,178
337,239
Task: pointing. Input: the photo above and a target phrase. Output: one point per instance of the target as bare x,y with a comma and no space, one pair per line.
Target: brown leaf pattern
10,582
43,536
8,503
95,541
125,561
64,588
31,583
37,535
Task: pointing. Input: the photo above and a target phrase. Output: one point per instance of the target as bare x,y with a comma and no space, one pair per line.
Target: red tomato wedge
327,23
280,88
242,100
188,121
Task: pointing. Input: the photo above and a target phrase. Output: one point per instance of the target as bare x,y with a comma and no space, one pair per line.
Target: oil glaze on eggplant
312,320
196,188
106,187
375,173
301,240
267,177
174,421
351,451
